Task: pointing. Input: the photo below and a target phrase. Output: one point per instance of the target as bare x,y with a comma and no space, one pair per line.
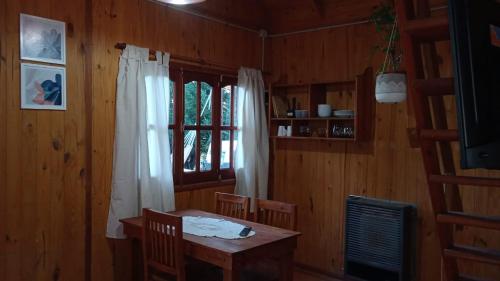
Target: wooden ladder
419,32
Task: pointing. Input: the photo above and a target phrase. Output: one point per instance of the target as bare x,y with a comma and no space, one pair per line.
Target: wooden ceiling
293,15
247,13
277,16
281,16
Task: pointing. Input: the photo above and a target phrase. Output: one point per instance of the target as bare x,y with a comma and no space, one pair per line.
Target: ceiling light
181,2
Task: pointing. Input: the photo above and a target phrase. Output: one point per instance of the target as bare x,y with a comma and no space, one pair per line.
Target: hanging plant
385,22
391,82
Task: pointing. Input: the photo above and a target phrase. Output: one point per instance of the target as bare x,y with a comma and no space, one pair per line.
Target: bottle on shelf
291,110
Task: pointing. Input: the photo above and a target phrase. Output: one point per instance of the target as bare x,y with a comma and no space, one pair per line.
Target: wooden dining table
232,255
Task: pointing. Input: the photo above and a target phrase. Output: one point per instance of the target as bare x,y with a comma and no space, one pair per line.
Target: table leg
231,275
286,267
137,261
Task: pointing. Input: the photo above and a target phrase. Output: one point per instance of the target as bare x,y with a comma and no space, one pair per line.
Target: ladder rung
428,29
463,180
469,220
439,135
473,254
434,87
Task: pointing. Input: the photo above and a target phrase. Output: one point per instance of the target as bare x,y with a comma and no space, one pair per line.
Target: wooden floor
302,275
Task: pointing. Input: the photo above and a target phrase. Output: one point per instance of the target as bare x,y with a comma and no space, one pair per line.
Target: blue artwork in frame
42,39
43,87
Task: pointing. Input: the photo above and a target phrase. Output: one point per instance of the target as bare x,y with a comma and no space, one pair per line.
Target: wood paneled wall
3,134
45,209
42,158
318,176
147,24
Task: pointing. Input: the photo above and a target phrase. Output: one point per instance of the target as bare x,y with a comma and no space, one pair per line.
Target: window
228,129
202,127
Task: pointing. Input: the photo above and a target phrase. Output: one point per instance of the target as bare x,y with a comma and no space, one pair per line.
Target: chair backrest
232,205
162,244
275,213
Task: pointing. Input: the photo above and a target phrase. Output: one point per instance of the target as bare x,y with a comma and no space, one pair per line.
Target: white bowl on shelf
324,110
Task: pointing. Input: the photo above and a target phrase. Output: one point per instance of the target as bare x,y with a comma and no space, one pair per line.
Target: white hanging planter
391,87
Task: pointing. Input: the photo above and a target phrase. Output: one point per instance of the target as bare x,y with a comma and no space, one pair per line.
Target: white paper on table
210,227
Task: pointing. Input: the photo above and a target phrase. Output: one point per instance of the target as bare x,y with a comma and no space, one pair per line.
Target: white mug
289,131
281,131
324,110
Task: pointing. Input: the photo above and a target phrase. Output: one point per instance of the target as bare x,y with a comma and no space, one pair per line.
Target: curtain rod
187,61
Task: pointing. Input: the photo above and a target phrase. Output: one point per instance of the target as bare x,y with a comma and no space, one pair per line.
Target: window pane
206,104
171,142
171,103
189,151
190,102
226,106
235,102
206,150
225,148
235,143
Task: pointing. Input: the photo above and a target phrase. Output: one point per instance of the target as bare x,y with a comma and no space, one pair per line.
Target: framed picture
43,39
43,87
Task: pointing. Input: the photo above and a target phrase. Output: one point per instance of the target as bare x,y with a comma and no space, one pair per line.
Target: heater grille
378,238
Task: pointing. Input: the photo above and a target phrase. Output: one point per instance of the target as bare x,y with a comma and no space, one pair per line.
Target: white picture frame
42,39
43,87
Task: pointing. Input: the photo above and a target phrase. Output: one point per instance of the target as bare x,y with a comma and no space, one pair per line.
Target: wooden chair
232,205
162,245
275,213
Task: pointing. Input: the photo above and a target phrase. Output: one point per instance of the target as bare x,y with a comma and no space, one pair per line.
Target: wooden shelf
356,95
314,138
312,119
351,83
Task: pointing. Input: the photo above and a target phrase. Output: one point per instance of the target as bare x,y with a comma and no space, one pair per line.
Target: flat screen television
475,40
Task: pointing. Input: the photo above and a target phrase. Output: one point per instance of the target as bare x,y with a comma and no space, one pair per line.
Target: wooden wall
147,24
50,200
42,158
3,134
52,224
318,176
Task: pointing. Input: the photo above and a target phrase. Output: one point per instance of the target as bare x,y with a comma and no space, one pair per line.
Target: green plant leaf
383,17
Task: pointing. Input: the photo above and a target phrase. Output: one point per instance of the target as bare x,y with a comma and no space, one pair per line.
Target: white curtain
142,171
252,151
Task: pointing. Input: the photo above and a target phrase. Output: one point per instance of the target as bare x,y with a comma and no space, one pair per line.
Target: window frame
229,81
180,76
